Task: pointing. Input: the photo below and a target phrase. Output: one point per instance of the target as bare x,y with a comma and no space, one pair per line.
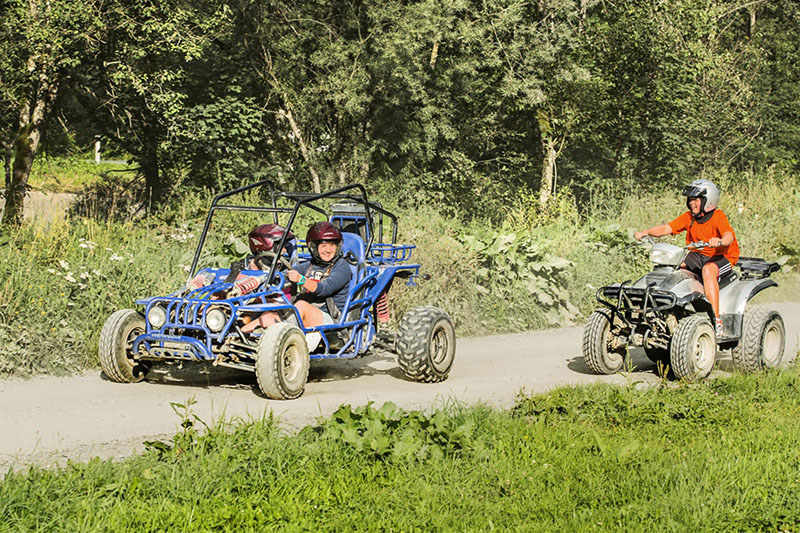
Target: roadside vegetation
719,455
529,270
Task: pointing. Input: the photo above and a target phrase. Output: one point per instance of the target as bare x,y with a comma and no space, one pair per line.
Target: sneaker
718,328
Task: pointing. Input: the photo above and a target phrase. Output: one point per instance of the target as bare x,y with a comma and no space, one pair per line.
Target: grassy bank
718,456
533,271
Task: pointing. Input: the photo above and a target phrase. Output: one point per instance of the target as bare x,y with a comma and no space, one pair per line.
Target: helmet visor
692,191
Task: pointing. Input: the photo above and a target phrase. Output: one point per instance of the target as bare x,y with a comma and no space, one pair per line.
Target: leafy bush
393,434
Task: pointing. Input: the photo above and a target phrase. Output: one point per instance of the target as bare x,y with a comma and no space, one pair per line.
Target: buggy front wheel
426,344
282,362
116,347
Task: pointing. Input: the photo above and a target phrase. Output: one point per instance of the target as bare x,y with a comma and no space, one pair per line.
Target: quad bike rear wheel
762,343
282,362
426,344
694,348
116,347
598,353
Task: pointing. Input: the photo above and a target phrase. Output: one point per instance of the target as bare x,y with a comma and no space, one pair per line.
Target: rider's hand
639,234
294,276
715,242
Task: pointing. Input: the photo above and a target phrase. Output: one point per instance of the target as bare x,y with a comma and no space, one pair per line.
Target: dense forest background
465,103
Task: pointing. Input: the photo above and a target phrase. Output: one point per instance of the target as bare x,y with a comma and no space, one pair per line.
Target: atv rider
704,222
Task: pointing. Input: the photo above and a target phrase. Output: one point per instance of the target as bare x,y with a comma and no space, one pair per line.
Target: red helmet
266,237
323,231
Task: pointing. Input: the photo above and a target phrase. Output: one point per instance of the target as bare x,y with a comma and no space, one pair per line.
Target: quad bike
204,321
666,313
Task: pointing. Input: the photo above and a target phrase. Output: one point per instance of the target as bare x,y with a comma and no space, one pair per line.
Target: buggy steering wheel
264,259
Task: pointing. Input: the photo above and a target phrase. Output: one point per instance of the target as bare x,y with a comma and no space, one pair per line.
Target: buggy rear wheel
426,344
282,362
116,347
598,353
694,348
763,340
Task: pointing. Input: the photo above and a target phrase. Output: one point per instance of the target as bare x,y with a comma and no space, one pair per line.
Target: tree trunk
9,153
26,144
304,150
547,186
148,164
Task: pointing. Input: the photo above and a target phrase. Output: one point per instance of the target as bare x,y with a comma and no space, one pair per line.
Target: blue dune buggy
204,323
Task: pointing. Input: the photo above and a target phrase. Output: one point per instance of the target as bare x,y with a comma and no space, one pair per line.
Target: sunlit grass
715,456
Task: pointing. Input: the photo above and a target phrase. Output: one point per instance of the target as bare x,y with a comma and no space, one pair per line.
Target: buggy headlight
157,316
215,320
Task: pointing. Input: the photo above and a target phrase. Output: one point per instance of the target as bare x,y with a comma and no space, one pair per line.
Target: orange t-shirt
715,226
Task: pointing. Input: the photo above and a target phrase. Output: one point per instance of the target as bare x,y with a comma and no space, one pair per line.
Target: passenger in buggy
323,283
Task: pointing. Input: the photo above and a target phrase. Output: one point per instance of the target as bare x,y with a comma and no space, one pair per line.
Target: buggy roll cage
300,199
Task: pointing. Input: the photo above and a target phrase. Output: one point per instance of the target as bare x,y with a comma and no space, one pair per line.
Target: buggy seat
353,251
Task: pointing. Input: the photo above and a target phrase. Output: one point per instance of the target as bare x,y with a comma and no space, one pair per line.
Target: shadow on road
205,375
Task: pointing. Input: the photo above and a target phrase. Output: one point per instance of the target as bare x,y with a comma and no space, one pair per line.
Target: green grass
717,456
71,175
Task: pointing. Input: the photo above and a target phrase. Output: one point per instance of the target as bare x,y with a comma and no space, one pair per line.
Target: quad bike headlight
157,316
215,320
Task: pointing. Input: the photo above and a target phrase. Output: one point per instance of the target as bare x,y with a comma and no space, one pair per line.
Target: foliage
715,455
511,263
391,433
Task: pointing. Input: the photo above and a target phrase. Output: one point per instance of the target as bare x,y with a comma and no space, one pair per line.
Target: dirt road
48,420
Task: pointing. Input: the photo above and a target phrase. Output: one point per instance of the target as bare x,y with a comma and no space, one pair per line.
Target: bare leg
711,285
265,320
310,314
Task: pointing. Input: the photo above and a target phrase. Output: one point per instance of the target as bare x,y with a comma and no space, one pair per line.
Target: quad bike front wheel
116,347
694,348
282,362
598,353
763,340
426,344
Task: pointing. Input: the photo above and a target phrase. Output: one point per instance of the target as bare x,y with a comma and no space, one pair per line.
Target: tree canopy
466,102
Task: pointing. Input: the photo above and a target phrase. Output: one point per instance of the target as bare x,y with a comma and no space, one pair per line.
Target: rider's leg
265,320
711,285
310,314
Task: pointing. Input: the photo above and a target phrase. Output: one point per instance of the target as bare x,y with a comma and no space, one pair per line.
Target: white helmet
706,191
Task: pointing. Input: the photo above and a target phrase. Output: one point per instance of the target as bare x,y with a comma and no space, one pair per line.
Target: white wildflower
84,275
109,250
116,257
95,272
51,270
69,277
63,264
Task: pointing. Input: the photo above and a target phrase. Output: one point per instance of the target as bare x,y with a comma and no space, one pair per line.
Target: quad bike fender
733,298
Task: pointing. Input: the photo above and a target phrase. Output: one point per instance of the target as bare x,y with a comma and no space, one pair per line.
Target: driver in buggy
322,283
704,222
